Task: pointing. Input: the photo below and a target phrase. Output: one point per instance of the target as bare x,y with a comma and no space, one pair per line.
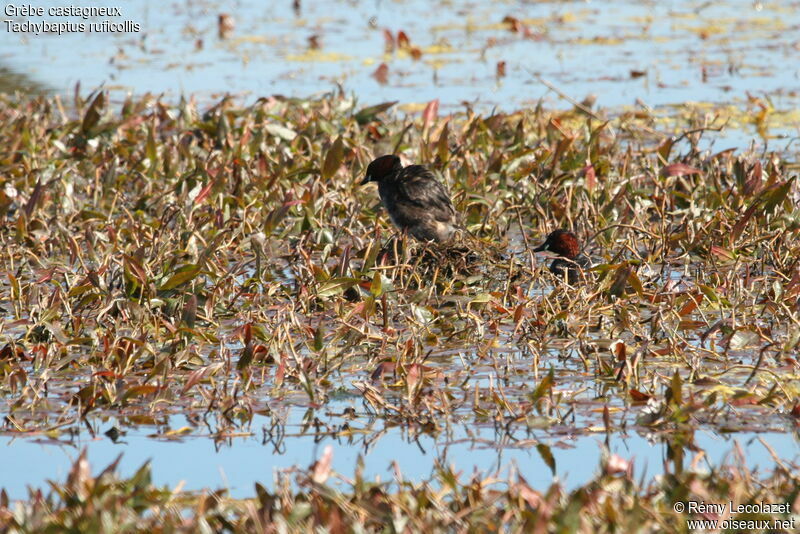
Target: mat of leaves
225,263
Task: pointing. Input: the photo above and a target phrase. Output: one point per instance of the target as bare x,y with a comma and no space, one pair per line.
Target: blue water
721,52
685,51
238,463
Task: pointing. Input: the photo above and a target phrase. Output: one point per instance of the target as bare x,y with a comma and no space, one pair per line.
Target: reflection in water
237,462
616,51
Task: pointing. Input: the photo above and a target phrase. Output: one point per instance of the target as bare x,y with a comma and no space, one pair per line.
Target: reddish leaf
754,180
322,467
722,252
193,379
744,400
189,315
247,333
532,497
381,73
389,40
691,305
519,311
514,24
45,275
383,368
225,25
414,375
402,40
742,222
135,268
669,350
430,113
12,351
279,374
705,381
617,464
638,396
106,374
201,196
34,199
679,169
618,349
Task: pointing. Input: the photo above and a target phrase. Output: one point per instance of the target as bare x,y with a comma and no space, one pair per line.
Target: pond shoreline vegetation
225,263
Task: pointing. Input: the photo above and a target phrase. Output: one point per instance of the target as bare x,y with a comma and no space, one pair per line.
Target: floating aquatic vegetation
223,263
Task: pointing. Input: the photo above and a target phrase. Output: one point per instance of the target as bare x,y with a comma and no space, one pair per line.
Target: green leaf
181,276
368,114
709,292
442,145
319,338
142,478
544,387
150,147
635,283
93,114
547,456
481,298
246,358
376,287
723,253
675,395
333,159
335,286
777,195
666,148
79,290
